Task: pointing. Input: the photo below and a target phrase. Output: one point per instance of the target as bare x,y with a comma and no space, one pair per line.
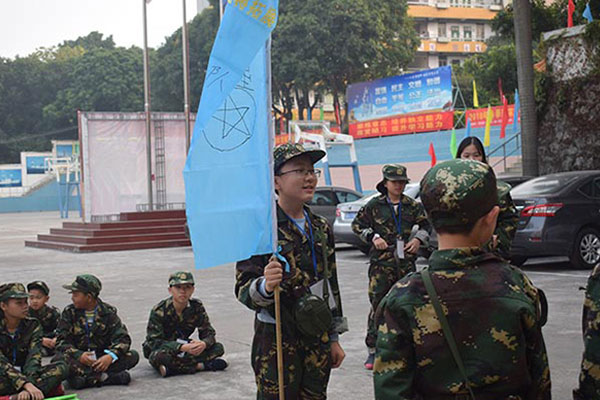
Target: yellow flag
475,98
488,124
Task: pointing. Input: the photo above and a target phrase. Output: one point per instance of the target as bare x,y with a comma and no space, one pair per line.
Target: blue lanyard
309,237
14,346
87,326
398,220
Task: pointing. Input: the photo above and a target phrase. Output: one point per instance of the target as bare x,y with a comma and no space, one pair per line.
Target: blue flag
587,13
228,173
516,112
468,130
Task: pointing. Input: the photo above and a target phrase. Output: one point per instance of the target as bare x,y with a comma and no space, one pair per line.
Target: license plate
350,215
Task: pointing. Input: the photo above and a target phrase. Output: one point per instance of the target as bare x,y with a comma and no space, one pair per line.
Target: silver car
345,213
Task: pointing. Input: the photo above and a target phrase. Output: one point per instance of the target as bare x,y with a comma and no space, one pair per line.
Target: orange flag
432,154
504,117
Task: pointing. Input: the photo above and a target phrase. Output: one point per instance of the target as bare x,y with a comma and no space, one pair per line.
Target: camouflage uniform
589,379
24,353
493,309
165,327
376,218
107,333
307,361
48,317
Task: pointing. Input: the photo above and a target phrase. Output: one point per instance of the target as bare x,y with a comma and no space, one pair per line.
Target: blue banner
417,92
228,173
36,164
10,178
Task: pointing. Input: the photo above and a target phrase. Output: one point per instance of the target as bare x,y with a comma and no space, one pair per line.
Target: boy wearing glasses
306,243
92,340
386,223
169,346
47,315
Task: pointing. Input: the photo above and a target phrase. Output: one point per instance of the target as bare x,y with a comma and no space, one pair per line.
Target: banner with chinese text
403,124
478,116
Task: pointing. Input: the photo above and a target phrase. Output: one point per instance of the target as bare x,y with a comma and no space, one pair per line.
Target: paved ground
135,280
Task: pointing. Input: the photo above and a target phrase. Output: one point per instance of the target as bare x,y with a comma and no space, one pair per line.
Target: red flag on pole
500,88
338,119
504,117
570,9
432,154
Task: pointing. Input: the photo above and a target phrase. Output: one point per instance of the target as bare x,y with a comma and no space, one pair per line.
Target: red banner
403,124
479,116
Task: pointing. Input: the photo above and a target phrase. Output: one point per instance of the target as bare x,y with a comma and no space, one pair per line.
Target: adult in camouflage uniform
471,148
306,242
92,340
21,370
47,315
589,377
377,224
492,308
168,345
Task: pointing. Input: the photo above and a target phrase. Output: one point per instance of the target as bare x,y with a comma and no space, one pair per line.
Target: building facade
451,30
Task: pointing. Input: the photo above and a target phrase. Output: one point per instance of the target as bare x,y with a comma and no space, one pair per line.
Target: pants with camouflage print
307,363
384,271
186,364
93,378
48,378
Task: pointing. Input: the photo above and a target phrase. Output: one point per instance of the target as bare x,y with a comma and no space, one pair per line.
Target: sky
26,25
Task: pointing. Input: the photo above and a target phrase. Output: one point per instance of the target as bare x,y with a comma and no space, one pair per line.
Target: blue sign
10,178
417,92
36,164
64,150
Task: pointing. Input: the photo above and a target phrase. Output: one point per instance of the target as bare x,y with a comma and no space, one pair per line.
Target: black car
559,218
326,199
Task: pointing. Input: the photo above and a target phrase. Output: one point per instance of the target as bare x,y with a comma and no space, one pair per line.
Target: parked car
515,180
345,213
559,218
327,198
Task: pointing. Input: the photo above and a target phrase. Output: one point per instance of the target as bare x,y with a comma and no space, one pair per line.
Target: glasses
303,172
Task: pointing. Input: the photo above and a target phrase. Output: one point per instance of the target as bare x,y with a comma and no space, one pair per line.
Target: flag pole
277,290
147,111
186,79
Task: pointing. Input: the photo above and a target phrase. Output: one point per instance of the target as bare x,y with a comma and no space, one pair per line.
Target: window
456,62
323,198
479,31
467,32
443,61
587,189
455,31
345,197
597,187
442,29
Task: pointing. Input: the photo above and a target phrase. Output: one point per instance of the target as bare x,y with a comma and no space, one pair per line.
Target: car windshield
412,190
542,185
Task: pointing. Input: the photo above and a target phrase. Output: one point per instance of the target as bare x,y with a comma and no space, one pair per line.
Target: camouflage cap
180,278
458,192
285,152
85,283
12,291
392,172
40,285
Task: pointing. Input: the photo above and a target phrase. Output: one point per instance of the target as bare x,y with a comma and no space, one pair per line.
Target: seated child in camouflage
168,345
92,340
22,375
48,316
487,311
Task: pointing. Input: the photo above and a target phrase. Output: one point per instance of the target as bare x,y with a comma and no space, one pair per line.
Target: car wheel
586,251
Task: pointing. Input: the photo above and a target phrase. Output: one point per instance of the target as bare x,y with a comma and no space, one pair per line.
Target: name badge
182,341
17,368
400,249
92,356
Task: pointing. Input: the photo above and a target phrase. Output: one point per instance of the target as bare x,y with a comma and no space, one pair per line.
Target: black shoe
77,382
164,371
119,378
218,364
370,361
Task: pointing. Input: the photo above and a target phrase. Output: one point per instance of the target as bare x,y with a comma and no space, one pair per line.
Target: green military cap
458,192
181,278
12,291
285,152
86,283
40,285
392,172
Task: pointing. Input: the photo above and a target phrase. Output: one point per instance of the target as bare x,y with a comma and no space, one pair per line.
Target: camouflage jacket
107,332
165,326
28,354
589,379
494,312
508,218
48,317
295,248
376,218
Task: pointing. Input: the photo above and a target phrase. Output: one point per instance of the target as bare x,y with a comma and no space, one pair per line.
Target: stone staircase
133,231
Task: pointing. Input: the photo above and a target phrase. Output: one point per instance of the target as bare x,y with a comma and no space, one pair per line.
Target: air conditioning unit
442,5
443,39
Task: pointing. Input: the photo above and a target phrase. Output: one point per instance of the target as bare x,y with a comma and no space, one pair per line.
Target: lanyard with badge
14,339
309,237
181,339
88,331
398,221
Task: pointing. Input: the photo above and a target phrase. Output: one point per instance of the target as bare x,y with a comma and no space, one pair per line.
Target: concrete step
75,248
151,215
116,232
124,224
111,239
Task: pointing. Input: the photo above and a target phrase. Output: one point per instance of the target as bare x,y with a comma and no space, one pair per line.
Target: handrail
517,138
